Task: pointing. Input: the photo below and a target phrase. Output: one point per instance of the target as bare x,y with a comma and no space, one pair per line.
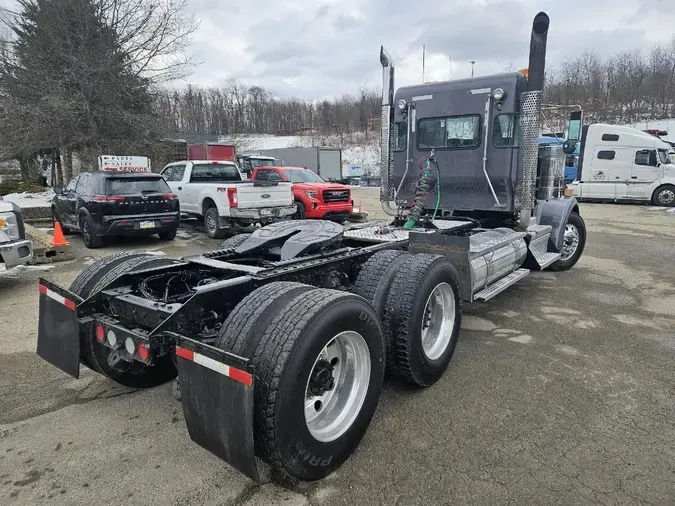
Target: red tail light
108,198
143,351
170,196
100,333
232,197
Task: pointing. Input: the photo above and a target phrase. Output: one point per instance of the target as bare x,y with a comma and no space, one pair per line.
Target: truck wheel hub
321,379
570,241
337,386
667,196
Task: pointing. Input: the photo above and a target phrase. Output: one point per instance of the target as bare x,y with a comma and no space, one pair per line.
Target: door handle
179,188
633,177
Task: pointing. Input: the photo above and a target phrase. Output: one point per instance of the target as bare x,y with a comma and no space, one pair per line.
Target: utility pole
472,62
424,54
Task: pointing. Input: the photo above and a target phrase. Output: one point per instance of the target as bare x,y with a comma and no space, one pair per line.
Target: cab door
174,176
606,176
66,203
644,171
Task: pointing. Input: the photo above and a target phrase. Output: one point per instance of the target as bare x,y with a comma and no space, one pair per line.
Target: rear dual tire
97,356
318,357
418,299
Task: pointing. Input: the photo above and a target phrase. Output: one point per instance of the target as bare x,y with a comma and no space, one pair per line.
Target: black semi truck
279,340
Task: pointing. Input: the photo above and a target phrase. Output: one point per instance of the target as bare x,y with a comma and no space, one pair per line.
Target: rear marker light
100,333
112,338
170,196
143,352
167,220
129,345
123,223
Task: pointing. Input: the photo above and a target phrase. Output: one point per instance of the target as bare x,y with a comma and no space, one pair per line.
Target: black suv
101,204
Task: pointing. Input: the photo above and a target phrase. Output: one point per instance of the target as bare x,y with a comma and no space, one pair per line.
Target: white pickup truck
216,192
15,249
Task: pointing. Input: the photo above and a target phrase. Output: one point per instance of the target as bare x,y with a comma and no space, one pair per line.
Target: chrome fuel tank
495,254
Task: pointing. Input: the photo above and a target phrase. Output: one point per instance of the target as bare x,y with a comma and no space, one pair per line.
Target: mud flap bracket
217,397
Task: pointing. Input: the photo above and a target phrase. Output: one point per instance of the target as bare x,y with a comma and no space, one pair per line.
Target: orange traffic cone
59,239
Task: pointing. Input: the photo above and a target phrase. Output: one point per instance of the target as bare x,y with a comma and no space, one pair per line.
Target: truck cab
248,163
619,163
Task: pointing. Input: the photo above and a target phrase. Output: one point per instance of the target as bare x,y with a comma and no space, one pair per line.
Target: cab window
505,131
646,157
663,157
455,132
267,175
73,183
400,136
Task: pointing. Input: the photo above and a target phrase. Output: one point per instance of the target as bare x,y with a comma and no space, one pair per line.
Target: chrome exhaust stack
386,161
530,120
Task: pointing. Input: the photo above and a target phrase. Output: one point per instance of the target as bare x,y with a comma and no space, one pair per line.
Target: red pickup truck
314,197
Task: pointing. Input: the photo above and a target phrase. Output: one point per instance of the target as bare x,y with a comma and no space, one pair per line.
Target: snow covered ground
24,200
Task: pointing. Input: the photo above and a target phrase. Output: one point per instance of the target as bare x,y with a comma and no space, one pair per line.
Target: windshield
302,176
133,186
663,156
257,162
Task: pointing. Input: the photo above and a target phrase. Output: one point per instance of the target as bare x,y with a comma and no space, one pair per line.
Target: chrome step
547,259
501,285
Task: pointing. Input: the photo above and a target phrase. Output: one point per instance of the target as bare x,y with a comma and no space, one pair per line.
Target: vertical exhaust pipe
530,114
386,166
537,60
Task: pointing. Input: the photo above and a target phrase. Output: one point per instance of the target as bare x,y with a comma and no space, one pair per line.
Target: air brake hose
421,192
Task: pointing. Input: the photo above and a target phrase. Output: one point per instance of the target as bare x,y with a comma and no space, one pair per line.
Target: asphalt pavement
561,391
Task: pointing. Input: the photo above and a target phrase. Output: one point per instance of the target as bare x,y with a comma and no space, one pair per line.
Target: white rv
619,163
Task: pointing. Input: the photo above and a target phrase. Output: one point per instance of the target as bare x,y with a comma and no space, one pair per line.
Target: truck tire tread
403,305
377,275
247,322
83,283
270,362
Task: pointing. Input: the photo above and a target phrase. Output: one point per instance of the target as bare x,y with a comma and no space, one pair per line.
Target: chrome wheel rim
337,386
438,321
210,223
667,197
570,241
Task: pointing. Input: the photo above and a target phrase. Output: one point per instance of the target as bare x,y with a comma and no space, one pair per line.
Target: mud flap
217,397
58,329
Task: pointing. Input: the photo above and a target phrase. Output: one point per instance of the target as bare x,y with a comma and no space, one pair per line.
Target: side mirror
569,146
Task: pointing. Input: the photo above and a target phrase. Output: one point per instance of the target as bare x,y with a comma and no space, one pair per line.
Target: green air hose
422,191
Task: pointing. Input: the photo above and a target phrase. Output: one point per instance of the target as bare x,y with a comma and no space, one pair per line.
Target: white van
619,163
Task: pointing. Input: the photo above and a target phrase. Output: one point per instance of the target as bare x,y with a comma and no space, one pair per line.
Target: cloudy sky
316,49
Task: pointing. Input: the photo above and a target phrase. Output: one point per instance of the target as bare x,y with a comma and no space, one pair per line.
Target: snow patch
154,253
15,272
25,199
